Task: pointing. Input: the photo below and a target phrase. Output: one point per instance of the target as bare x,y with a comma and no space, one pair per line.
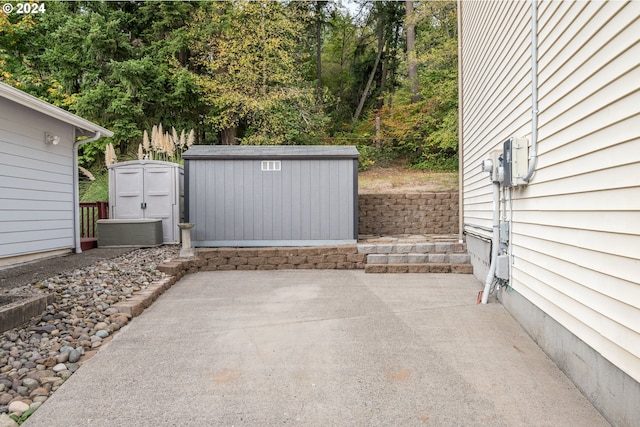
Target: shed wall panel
576,242
235,201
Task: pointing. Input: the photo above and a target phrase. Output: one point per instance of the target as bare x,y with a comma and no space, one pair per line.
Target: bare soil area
398,179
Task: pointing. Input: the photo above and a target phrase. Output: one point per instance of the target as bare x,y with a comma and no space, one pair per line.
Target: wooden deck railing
90,213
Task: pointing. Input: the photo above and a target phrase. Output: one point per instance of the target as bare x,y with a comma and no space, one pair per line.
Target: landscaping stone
36,358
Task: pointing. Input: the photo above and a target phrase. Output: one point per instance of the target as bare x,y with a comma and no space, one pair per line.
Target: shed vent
270,165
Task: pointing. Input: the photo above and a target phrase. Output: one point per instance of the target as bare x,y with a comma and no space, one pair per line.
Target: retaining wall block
228,252
297,260
326,265
345,265
462,268
247,252
384,248
347,249
256,261
288,252
417,258
397,259
377,259
445,247
439,268
438,258
375,268
307,251
170,267
356,258
335,258
276,260
315,259
397,268
207,253
307,266
418,268
405,248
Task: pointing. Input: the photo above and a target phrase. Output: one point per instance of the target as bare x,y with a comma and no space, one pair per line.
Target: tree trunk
319,52
412,60
363,98
229,136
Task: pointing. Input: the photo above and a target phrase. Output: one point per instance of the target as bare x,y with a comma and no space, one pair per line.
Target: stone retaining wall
418,213
215,259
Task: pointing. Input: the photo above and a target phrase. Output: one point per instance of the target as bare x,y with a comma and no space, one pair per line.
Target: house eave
83,126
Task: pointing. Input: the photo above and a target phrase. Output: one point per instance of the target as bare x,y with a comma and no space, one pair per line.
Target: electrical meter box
515,161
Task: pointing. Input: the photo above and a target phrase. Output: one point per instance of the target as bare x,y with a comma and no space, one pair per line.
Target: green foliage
96,190
251,66
248,53
22,418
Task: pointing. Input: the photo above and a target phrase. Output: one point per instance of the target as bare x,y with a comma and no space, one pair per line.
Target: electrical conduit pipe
495,242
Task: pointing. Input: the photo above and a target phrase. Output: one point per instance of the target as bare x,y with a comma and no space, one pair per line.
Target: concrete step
412,248
419,268
418,258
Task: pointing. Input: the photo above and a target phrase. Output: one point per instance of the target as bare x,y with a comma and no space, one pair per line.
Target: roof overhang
83,127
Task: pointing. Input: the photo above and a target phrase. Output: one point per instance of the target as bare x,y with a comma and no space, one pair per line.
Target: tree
412,61
247,61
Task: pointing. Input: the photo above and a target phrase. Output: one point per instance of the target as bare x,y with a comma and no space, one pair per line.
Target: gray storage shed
271,195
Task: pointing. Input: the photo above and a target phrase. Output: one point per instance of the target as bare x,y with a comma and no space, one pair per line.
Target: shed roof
248,152
84,127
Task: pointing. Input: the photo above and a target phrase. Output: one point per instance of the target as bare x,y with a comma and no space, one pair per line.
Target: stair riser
419,268
418,258
409,248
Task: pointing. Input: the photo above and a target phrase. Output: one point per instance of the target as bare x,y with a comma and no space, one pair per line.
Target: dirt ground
401,180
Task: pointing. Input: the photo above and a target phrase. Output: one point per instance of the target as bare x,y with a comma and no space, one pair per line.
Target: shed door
129,183
158,188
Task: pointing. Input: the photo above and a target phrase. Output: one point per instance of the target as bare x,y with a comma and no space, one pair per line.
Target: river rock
18,407
30,383
59,367
5,421
74,356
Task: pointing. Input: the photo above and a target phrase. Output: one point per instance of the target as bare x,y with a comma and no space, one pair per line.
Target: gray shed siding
36,182
312,200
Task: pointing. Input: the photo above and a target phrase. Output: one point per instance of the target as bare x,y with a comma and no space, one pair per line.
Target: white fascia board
29,101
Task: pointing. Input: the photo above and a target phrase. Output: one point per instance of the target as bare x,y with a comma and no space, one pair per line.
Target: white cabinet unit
148,189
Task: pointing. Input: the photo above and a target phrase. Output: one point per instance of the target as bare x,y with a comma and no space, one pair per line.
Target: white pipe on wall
495,242
76,190
534,91
460,132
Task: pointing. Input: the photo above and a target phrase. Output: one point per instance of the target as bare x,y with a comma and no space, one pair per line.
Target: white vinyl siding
36,190
576,227
496,87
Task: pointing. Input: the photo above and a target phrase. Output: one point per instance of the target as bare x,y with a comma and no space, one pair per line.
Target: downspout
495,242
76,190
534,92
460,134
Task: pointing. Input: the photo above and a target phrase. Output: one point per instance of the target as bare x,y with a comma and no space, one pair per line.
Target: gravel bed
36,358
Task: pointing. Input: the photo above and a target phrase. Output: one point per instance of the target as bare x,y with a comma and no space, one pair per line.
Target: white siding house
38,176
571,236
